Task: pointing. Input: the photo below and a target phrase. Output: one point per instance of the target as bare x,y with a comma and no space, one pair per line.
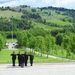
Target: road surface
39,69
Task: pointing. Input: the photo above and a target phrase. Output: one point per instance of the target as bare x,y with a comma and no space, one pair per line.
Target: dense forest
48,30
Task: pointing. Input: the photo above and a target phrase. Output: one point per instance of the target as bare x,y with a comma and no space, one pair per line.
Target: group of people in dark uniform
22,58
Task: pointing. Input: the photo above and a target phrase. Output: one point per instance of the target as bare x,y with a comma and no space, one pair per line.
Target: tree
68,51
44,21
40,44
52,43
19,38
47,44
31,42
33,10
72,45
59,39
25,39
66,44
49,14
22,38
2,42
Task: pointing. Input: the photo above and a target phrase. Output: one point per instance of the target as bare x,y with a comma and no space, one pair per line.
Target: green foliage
33,10
72,44
48,44
2,42
66,41
22,38
58,23
38,32
59,39
31,42
48,30
8,14
40,44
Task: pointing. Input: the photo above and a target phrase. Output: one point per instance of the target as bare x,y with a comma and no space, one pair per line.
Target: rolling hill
44,17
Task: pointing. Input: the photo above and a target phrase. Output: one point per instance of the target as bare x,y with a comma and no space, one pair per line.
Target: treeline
22,24
56,8
43,42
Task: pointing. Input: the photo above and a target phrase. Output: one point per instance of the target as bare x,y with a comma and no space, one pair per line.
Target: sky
69,4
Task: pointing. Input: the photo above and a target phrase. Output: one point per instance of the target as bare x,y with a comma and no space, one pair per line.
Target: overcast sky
70,4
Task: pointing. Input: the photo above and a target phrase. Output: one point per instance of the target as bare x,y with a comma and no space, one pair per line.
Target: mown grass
58,22
9,14
45,27
5,57
11,40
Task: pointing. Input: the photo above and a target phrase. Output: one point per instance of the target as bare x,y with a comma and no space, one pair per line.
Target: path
39,69
51,56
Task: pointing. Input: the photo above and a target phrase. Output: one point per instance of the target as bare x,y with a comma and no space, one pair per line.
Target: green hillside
26,17
9,14
47,30
52,14
59,22
58,16
45,27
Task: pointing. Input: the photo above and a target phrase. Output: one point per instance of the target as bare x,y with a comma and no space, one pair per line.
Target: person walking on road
25,58
31,58
13,58
22,60
19,58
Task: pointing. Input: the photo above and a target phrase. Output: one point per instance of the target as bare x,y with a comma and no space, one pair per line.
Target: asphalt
39,69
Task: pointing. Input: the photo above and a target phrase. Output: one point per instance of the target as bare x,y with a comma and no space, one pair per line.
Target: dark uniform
25,58
31,59
22,60
13,58
19,59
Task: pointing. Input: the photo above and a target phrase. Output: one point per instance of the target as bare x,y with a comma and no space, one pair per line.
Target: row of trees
43,42
46,43
39,42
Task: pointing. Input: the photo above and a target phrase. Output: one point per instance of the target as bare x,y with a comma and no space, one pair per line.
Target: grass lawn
5,57
45,27
58,22
10,40
9,14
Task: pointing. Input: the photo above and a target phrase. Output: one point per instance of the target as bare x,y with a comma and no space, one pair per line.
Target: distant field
40,25
9,14
58,22
46,27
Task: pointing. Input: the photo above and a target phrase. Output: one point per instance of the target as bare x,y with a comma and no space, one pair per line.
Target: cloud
5,1
65,3
16,2
39,3
47,1
9,3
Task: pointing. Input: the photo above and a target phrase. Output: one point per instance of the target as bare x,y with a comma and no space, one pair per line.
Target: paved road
39,69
